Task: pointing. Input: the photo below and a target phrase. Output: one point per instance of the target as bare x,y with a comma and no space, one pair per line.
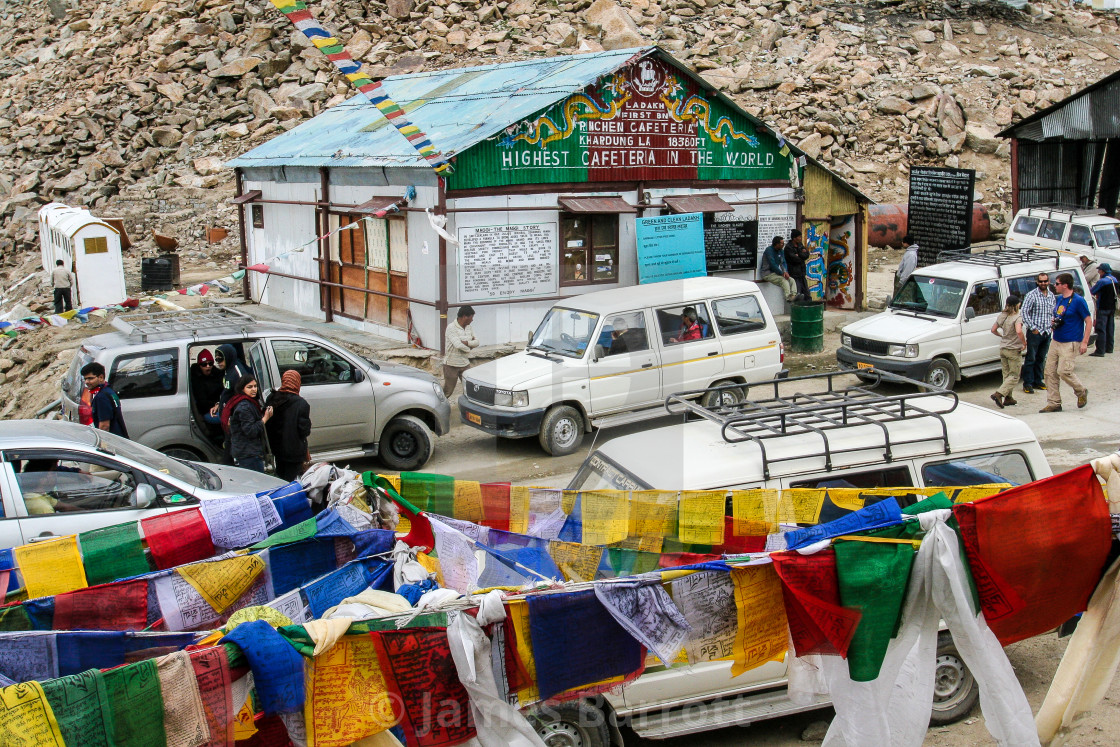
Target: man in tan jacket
62,282
459,340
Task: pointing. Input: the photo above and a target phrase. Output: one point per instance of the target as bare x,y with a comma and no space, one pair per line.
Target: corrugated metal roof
697,204
456,108
596,205
1093,113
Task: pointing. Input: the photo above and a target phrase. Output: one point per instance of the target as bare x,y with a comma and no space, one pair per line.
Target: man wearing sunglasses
1072,326
1038,310
206,385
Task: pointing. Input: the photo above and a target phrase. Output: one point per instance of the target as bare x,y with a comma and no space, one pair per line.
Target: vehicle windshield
937,296
565,331
192,474
1106,236
599,472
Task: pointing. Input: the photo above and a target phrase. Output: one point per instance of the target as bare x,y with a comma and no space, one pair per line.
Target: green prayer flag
113,552
136,705
81,707
430,492
873,578
934,502
14,618
625,562
301,531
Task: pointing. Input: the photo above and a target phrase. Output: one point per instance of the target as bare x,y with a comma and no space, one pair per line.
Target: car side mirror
357,374
143,496
969,313
530,341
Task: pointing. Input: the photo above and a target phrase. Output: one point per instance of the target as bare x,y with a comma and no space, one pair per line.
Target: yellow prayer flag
26,718
701,517
849,499
518,611
222,582
976,492
653,517
764,505
606,516
51,567
347,699
763,632
577,562
243,724
519,510
806,504
404,526
568,502
468,501
431,565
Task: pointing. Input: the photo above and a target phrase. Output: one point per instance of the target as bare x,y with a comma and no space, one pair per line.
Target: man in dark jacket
106,405
796,254
289,428
233,370
206,386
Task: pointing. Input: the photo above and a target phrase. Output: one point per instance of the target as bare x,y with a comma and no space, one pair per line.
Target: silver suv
359,407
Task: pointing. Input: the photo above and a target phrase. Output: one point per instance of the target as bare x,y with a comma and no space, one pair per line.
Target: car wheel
561,430
955,690
942,374
575,724
406,443
182,452
722,398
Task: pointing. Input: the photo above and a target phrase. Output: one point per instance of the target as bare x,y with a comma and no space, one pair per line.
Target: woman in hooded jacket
233,370
289,429
245,423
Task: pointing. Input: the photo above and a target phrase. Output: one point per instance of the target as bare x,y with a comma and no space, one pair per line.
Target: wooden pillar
239,189
325,242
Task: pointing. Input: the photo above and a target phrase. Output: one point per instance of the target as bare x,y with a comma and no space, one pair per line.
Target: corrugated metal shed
456,108
697,204
1093,113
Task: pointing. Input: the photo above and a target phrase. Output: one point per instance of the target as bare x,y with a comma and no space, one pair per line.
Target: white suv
937,328
1076,230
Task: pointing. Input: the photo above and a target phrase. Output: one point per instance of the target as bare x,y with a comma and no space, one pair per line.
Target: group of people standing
226,392
1052,328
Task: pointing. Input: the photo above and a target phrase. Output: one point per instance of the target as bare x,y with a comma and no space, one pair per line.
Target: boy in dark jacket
289,429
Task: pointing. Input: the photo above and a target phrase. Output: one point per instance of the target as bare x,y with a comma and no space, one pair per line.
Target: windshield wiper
541,352
914,313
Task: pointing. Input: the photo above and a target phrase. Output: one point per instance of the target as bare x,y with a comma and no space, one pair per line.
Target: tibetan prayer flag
707,601
872,578
605,515
347,698
136,705
301,531
51,567
326,592
429,492
569,655
430,701
277,666
577,562
519,509
294,565
211,671
762,634
811,594
119,606
881,514
184,718
81,650
468,501
29,656
495,505
518,611
1017,542
26,717
14,618
222,582
113,552
701,515
177,538
81,707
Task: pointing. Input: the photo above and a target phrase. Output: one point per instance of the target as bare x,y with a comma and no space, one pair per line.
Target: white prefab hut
87,245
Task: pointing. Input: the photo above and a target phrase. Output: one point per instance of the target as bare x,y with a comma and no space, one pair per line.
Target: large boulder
618,30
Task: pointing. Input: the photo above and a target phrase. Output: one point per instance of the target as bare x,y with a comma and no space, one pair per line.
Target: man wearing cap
1104,292
206,385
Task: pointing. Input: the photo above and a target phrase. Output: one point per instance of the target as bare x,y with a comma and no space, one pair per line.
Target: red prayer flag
495,505
674,559
117,606
177,538
428,698
733,543
818,624
1037,551
211,669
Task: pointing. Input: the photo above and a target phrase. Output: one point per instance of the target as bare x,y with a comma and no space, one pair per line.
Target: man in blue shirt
1104,293
774,271
1072,324
104,401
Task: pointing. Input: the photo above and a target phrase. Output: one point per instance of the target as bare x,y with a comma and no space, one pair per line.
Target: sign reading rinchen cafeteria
645,121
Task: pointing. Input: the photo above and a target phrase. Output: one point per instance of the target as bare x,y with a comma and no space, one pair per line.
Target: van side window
984,298
1080,235
1022,286
1053,230
676,323
735,315
316,365
891,477
153,374
1004,466
624,333
1026,225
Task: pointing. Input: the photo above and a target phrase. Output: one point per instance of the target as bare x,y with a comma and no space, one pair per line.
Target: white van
1075,230
815,433
938,327
610,357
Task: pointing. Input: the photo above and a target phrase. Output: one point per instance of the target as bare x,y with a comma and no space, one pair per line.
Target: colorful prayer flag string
296,11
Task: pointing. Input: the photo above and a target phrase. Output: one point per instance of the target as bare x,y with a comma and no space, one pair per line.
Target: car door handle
714,352
647,365
43,537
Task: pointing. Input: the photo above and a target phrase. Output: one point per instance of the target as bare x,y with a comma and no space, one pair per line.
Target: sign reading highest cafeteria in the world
645,121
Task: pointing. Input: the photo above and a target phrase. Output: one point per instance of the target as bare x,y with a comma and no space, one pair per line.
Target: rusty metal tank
887,224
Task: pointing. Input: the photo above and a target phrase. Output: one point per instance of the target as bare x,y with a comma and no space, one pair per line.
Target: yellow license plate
474,418
861,364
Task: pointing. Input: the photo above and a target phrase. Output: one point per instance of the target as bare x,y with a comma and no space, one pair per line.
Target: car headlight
846,340
439,391
911,351
507,398
903,351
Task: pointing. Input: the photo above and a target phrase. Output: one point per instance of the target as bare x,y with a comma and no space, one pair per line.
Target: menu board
507,261
730,245
940,210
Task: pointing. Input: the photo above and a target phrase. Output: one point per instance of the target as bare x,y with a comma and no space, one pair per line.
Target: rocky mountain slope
131,107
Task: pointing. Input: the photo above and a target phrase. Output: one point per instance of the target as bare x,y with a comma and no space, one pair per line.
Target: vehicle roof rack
998,256
165,325
787,414
1063,207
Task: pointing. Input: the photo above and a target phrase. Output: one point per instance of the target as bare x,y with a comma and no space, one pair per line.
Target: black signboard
730,245
940,210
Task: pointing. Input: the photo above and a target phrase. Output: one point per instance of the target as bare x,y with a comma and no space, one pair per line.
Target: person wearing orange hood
289,429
